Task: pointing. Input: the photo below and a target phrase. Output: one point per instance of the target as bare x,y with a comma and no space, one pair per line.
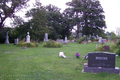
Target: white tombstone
46,37
7,39
105,40
61,54
66,40
27,38
96,46
97,37
100,40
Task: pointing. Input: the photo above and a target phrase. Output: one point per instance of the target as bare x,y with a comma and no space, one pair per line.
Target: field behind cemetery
44,63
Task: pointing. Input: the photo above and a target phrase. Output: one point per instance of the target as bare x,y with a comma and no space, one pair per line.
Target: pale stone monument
27,38
46,37
15,41
100,40
66,40
7,39
61,54
79,35
97,37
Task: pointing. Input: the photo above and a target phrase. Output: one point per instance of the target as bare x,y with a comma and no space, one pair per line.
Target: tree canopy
88,15
8,8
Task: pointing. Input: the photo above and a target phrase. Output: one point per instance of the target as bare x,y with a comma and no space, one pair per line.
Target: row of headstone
102,41
16,40
27,39
60,41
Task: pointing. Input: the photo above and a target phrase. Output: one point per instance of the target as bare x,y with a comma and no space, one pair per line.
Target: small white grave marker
61,54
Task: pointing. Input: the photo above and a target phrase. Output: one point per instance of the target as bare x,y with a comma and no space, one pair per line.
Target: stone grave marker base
101,69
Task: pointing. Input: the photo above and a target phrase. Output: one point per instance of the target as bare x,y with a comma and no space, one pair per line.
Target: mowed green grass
45,64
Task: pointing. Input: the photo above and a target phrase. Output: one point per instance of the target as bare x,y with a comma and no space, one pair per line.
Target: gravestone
106,48
66,40
73,41
105,40
97,37
79,35
7,39
60,40
100,40
101,59
46,37
27,38
96,46
89,36
101,62
15,41
85,40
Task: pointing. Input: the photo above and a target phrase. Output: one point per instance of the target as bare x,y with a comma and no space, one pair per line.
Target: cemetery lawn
44,63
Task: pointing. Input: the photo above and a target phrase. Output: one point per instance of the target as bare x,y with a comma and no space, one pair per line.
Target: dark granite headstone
100,59
106,48
101,62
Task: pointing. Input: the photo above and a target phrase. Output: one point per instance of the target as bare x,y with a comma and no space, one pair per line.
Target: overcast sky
110,7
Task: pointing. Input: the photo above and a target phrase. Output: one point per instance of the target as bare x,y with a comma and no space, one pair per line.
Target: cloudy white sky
110,7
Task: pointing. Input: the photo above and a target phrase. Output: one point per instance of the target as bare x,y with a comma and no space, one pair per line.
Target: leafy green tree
37,25
113,36
58,23
17,21
38,22
21,31
54,18
102,33
88,15
8,8
67,25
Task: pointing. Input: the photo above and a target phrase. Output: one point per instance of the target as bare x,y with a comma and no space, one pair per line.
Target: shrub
118,43
96,40
117,51
52,44
21,44
113,47
71,37
80,40
100,48
92,39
